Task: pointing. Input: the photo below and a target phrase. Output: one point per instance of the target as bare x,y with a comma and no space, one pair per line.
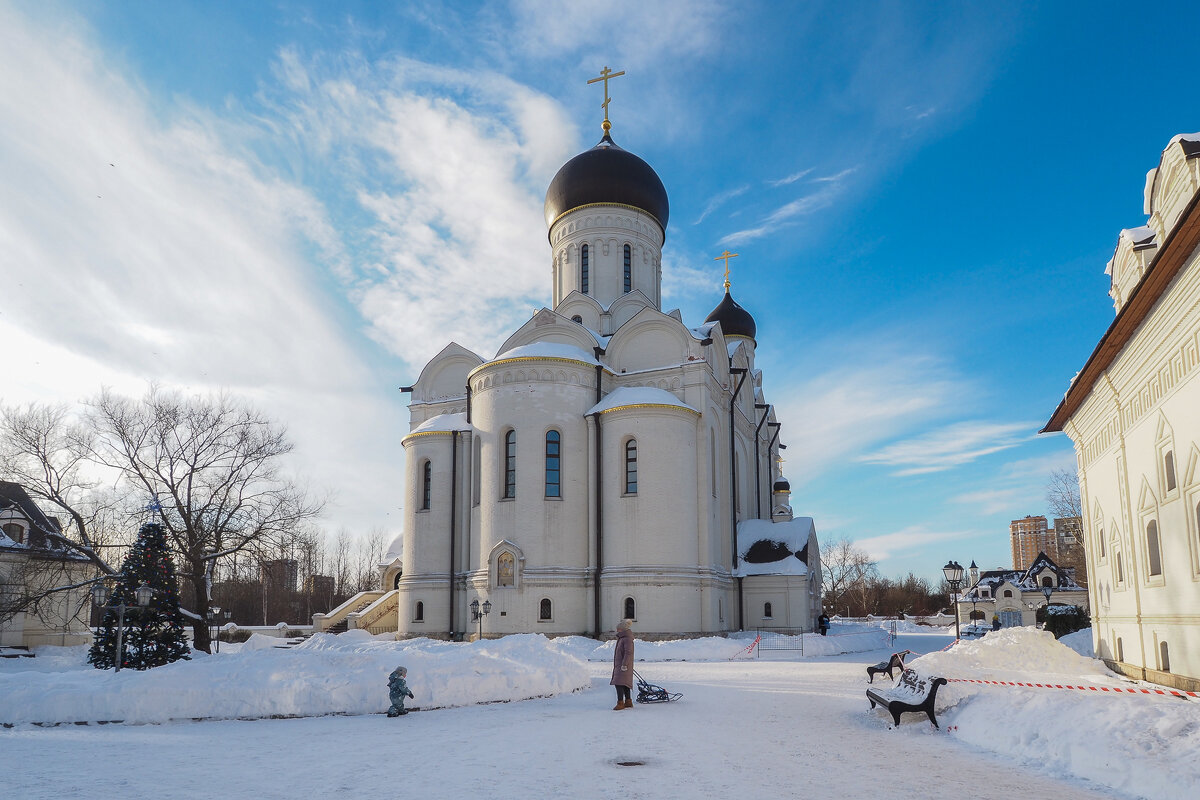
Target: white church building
599,466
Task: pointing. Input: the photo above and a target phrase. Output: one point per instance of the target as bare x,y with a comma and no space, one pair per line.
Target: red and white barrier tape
749,649
1118,689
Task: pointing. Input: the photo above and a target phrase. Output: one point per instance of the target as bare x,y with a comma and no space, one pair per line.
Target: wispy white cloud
836,177
143,241
991,501
901,542
831,186
718,200
795,176
878,390
951,446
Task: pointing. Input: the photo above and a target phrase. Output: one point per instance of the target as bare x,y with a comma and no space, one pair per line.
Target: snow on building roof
773,548
1027,579
443,422
638,396
548,350
394,550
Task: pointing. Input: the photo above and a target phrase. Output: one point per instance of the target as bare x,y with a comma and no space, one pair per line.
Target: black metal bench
895,662
912,693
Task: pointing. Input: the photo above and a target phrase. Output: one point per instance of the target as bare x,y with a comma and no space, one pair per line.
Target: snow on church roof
548,350
785,544
443,422
394,550
638,396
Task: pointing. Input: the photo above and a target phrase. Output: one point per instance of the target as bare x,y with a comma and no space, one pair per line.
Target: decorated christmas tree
153,635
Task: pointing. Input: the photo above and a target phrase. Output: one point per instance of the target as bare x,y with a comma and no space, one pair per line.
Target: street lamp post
478,613
100,594
954,575
1046,592
214,618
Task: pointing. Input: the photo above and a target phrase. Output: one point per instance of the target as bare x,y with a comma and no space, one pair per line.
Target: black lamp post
100,594
954,576
477,613
1046,592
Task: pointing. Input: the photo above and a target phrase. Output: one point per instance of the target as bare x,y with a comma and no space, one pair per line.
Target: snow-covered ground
782,723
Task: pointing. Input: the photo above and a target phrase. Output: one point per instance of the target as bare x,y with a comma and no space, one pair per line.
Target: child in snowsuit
398,690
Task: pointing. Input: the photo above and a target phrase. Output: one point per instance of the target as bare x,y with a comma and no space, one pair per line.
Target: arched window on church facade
631,469
505,569
510,465
419,612
1154,555
630,608
545,610
426,485
767,611
583,269
553,461
628,269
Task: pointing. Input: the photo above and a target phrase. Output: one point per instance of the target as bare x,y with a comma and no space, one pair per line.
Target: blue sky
289,201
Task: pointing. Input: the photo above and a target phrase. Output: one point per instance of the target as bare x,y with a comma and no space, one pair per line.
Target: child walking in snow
398,690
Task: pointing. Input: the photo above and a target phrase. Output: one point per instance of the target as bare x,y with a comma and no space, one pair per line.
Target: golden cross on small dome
605,75
779,459
726,255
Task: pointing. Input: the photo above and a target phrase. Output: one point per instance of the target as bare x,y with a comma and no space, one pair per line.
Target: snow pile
1080,642
785,541
1141,745
327,674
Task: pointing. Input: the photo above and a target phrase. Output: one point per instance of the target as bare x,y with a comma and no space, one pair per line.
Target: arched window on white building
553,464
628,269
583,269
510,465
631,467
426,485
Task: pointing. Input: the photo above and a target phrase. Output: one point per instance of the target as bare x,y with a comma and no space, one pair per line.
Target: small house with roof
1014,596
34,557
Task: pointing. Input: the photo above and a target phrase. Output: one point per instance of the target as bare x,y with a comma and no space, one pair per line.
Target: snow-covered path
759,728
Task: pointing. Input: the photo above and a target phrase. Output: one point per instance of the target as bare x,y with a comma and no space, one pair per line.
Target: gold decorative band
651,405
613,205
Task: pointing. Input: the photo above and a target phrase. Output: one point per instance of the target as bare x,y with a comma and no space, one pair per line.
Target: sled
649,693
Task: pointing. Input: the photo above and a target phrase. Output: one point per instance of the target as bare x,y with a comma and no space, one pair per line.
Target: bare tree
1062,494
846,573
45,451
211,468
367,558
342,568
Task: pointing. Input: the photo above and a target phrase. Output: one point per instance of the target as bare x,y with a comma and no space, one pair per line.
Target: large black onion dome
735,320
607,174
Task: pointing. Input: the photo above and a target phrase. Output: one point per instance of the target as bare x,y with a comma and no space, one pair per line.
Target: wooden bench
895,662
912,693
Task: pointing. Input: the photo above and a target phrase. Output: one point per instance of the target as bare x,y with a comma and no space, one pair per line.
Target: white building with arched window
598,465
1133,412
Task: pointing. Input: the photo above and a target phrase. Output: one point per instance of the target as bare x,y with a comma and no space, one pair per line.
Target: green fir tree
153,635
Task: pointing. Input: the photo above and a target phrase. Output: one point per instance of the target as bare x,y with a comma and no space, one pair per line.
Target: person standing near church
622,676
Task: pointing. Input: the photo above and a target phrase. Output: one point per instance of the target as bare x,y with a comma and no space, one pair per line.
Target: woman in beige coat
622,675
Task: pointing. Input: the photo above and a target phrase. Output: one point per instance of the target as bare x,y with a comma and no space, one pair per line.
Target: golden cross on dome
605,75
726,255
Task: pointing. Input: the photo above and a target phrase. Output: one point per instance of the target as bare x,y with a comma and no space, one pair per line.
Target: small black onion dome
782,485
735,320
607,174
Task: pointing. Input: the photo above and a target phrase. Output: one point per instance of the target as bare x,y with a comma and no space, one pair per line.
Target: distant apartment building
1063,543
280,573
1031,536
